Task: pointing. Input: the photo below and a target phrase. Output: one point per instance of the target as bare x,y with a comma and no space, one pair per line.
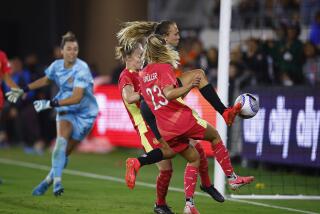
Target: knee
194,159
200,72
167,152
165,165
61,145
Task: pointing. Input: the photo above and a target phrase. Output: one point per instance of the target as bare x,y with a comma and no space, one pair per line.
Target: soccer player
5,75
139,30
168,30
174,119
129,89
75,104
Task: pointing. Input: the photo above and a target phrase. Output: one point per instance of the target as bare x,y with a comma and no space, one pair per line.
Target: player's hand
196,81
40,105
14,94
230,113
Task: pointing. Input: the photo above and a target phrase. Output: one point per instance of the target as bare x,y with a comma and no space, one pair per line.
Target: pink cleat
190,209
240,181
132,168
230,113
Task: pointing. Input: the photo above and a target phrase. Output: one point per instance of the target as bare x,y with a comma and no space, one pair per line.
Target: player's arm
39,83
171,93
9,82
129,95
15,93
75,98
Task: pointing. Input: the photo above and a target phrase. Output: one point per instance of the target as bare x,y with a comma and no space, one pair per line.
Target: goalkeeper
75,104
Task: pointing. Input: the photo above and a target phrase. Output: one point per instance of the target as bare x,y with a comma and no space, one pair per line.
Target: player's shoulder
56,64
82,65
124,73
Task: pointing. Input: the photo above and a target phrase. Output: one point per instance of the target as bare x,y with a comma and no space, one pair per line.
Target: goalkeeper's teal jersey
69,78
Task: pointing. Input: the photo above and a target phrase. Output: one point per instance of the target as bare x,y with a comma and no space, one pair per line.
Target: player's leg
44,185
190,178
209,93
162,185
59,160
158,150
206,184
64,131
221,153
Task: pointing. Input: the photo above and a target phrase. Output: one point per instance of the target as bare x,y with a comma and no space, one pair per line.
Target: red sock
222,155
163,181
190,180
203,168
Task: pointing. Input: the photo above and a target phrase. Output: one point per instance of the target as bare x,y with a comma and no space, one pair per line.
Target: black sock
212,97
154,156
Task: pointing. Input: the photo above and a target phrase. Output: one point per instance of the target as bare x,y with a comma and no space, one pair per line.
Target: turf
90,195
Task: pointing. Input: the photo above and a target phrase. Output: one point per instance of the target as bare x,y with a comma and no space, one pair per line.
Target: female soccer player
168,30
174,119
75,104
139,30
129,87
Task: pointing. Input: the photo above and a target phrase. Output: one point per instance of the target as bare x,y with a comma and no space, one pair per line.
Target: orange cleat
230,113
190,209
240,181
132,168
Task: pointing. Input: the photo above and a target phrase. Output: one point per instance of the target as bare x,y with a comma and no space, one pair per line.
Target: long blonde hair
157,51
137,31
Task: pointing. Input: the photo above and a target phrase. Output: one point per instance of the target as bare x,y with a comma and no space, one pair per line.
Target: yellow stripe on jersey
200,121
144,141
135,113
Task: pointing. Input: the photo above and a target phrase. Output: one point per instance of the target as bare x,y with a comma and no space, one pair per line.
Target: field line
138,183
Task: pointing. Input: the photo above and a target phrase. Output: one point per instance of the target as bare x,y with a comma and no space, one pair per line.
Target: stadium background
279,146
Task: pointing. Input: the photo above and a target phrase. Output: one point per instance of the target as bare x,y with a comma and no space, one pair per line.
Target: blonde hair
121,52
157,51
133,32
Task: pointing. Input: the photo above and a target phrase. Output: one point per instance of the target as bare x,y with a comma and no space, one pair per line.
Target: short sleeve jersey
67,79
173,117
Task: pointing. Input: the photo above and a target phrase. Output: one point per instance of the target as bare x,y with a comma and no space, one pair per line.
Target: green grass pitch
94,192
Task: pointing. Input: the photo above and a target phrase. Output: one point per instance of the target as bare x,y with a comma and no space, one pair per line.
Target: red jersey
173,117
4,68
4,64
131,78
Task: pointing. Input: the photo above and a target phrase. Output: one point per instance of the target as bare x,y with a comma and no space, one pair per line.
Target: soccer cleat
41,188
58,189
132,168
240,181
190,209
230,113
213,192
162,209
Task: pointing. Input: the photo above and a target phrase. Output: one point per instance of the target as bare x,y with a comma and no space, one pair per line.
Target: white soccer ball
250,105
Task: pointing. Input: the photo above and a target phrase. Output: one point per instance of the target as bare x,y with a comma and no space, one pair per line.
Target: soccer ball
250,105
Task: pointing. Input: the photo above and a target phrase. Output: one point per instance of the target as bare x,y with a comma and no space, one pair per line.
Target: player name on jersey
150,77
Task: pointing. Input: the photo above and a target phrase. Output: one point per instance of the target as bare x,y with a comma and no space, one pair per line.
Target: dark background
36,26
